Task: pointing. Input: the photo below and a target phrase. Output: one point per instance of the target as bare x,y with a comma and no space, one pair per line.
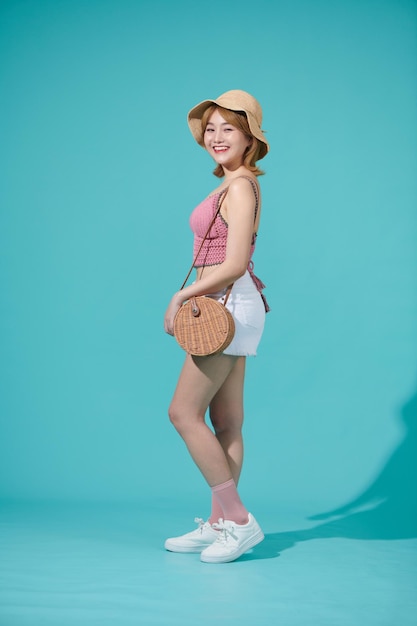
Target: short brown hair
239,120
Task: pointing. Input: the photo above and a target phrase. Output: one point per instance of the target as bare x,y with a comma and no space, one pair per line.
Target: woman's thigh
199,381
226,407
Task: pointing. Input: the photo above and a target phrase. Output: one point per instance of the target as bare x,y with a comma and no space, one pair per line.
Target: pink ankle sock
216,511
228,499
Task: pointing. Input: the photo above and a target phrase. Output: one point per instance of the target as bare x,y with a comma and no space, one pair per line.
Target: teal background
98,176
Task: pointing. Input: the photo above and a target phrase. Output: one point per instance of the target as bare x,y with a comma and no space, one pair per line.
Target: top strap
255,188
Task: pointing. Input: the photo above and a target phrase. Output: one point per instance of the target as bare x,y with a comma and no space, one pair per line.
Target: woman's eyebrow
222,124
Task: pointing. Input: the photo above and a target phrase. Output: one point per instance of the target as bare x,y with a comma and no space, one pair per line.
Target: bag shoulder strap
229,289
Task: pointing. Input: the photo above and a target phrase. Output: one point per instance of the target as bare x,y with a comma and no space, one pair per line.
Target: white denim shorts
248,310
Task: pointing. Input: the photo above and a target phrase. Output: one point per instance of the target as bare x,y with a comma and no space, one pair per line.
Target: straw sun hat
234,100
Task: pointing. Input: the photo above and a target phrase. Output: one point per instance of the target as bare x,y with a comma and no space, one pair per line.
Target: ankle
230,503
242,522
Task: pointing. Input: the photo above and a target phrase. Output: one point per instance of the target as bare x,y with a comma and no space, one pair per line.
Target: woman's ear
250,143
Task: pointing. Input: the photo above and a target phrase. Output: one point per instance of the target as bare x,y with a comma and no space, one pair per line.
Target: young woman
229,128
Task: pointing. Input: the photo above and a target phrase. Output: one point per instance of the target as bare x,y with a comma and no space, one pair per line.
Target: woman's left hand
170,313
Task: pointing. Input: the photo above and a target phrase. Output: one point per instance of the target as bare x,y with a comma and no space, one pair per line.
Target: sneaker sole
247,545
171,547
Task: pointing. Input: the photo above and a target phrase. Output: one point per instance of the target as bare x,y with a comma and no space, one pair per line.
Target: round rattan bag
203,326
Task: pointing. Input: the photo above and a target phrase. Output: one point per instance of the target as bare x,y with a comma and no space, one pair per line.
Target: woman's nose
218,135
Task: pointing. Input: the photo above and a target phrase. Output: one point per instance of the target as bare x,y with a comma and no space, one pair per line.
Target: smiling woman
228,121
225,227
225,141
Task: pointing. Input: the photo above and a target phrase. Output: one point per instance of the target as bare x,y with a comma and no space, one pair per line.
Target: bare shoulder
243,183
244,187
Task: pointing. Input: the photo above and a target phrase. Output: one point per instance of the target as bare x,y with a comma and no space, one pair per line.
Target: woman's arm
240,219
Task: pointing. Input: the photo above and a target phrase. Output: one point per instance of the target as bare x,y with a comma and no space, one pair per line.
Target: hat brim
194,122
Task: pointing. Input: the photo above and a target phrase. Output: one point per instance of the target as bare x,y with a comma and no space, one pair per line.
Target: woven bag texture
208,332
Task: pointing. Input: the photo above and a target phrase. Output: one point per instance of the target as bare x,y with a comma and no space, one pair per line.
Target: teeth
220,149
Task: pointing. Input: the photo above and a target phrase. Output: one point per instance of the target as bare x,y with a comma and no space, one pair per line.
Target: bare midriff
207,269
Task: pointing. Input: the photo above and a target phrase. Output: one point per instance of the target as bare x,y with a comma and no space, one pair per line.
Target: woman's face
226,143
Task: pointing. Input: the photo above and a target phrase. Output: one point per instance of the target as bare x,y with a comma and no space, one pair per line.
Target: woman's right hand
170,313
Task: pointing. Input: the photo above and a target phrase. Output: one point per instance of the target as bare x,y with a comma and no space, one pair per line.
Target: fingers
170,317
169,326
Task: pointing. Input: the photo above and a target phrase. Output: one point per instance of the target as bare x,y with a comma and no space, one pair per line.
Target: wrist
178,298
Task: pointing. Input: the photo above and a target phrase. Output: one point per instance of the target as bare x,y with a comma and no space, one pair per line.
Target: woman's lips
219,149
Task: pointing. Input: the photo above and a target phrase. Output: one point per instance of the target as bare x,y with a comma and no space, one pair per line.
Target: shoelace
224,531
201,523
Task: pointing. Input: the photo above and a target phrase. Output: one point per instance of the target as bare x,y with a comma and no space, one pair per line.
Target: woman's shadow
386,510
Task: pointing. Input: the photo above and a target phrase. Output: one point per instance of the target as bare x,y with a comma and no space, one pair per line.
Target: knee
178,417
225,423
175,416
183,418
219,425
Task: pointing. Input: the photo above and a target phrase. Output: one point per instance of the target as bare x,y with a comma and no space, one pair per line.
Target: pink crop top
213,250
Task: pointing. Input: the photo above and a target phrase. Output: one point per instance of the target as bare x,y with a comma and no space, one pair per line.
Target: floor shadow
386,510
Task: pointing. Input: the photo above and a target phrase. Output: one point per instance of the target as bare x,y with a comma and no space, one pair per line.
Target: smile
220,148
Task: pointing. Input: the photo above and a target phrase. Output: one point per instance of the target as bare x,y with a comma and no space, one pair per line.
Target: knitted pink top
213,250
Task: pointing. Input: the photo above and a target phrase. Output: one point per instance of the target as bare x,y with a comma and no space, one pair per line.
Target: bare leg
217,382
200,380
226,415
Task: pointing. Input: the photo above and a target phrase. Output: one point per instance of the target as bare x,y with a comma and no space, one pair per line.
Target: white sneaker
232,540
195,541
